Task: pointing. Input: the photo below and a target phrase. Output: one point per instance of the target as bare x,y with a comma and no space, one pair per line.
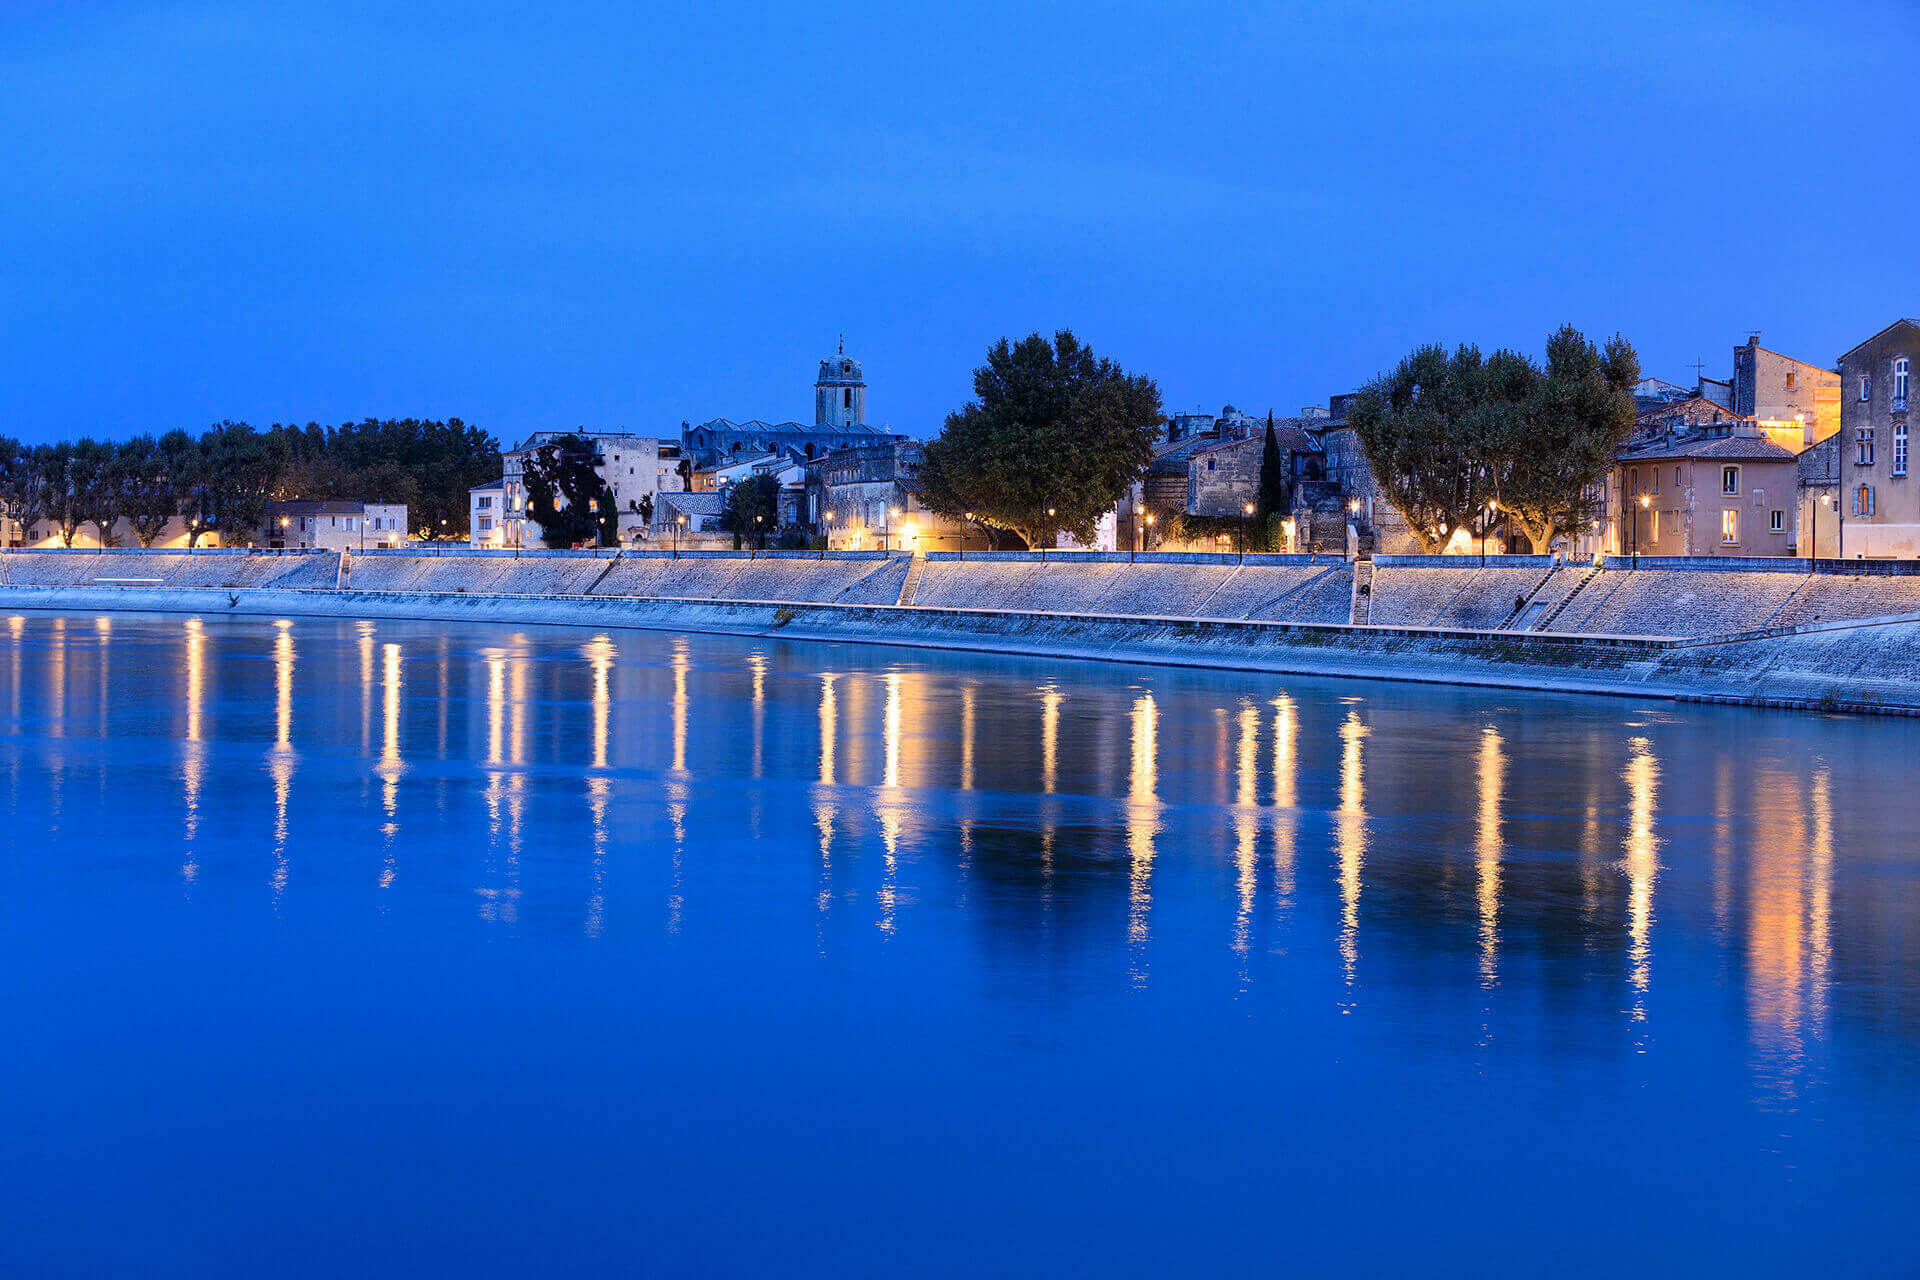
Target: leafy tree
753,507
1431,429
144,492
94,479
185,467
1052,439
567,496
238,473
61,478
1577,418
22,491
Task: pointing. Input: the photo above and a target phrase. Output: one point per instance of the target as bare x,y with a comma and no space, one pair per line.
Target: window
1900,383
349,524
1653,530
1863,446
1899,448
1866,387
1730,480
1210,464
1776,522
1633,480
486,523
1791,376
846,398
1729,527
1863,500
1653,474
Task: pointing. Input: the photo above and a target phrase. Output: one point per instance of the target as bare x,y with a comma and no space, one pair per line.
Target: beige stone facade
1726,491
1878,493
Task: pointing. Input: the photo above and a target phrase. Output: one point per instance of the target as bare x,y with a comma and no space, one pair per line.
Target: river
378,948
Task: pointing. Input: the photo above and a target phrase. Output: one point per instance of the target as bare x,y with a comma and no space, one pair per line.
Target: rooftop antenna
1753,336
1699,369
843,344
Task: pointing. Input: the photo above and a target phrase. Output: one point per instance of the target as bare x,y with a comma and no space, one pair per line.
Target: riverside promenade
1831,635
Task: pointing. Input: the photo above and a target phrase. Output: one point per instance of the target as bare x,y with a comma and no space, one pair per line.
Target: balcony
1899,404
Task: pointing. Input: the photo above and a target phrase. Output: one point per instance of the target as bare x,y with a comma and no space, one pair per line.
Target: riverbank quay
1862,666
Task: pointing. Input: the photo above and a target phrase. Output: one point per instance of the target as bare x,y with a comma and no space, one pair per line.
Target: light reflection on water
1539,890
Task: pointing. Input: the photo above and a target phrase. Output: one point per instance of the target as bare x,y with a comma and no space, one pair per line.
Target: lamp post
1148,539
1486,527
962,544
1050,529
759,545
677,522
1353,517
1644,500
827,536
1246,516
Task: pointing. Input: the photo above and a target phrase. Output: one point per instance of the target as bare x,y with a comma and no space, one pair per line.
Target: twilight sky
628,215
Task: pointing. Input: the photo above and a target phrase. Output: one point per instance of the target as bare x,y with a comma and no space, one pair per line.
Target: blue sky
621,215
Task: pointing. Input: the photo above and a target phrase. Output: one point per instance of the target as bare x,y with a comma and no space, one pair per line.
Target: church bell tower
840,395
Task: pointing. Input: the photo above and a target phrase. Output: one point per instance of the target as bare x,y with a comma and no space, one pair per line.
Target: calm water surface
351,948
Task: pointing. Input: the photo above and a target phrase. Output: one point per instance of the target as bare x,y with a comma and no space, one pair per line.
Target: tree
1558,451
1052,439
1431,429
95,481
185,467
22,491
238,473
753,507
567,496
61,478
1271,500
145,494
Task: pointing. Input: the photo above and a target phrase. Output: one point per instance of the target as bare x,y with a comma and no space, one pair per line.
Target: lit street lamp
677,522
1644,501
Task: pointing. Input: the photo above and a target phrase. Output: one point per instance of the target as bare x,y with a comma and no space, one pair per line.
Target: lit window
1776,522
1730,480
1729,527
1791,375
1900,448
1863,446
1863,500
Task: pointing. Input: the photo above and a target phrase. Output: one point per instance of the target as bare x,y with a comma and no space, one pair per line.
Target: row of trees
1461,441
1055,435
223,480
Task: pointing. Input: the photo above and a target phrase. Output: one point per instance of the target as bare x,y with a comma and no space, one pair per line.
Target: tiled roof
304,507
1718,448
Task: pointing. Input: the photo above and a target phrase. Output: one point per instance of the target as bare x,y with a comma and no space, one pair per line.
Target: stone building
1881,504
636,468
867,497
336,526
839,419
1378,524
1795,403
1716,491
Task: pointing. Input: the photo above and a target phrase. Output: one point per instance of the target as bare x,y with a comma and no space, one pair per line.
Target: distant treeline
222,480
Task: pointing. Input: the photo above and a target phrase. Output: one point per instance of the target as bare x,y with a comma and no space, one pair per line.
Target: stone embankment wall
1767,631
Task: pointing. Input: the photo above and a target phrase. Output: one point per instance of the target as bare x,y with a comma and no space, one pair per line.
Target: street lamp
1485,527
1644,499
1246,515
827,537
677,522
1149,538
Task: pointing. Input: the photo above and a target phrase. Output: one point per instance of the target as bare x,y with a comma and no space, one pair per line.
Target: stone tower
840,396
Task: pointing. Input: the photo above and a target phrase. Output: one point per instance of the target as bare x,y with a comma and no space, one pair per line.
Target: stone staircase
1361,613
1592,572
911,587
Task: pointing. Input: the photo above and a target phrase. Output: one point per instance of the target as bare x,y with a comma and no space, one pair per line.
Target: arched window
846,398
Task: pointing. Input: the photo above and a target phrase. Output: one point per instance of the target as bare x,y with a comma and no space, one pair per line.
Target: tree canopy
1050,442
223,479
567,496
1461,441
752,511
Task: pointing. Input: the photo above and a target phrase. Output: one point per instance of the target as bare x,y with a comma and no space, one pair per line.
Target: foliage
1052,439
140,489
1578,417
185,468
1271,500
1458,442
753,509
567,497
1430,430
237,472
